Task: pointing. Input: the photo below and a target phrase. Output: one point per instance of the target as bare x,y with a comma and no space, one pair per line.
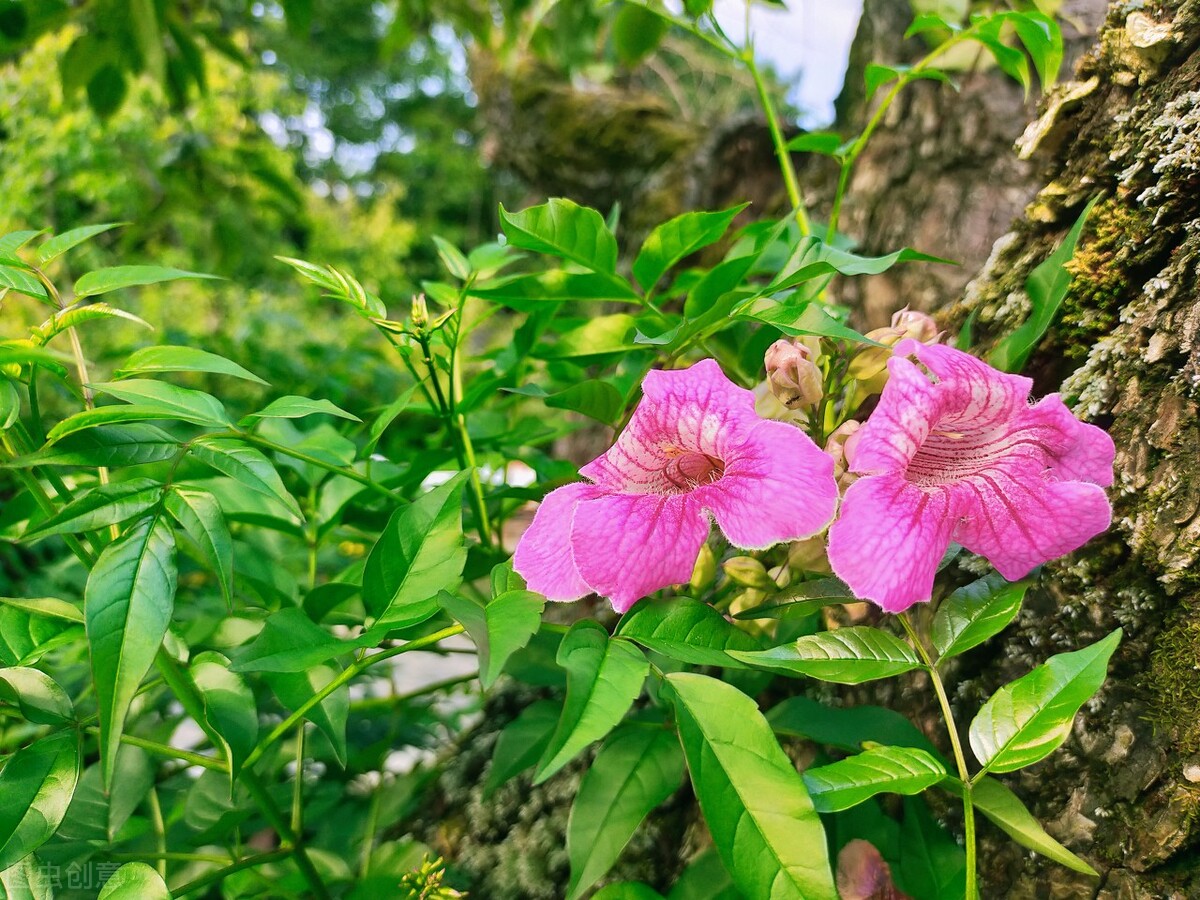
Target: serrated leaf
499,629
184,404
564,229
134,881
36,695
229,707
294,689
521,743
604,677
169,358
419,553
292,407
677,238
637,769
1007,811
245,465
1027,720
61,243
976,612
128,602
103,505
855,779
686,630
846,656
36,783
754,802
199,513
102,281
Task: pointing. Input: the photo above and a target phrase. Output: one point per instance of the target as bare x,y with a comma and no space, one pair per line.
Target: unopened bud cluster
793,375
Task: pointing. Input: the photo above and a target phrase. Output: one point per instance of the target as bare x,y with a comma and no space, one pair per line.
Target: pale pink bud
793,376
912,323
840,445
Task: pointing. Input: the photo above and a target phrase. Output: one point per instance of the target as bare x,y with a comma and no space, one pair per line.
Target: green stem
171,855
298,784
168,752
795,198
213,877
332,468
959,757
160,831
277,820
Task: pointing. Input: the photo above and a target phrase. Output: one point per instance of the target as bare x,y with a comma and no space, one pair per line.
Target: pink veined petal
778,486
1018,519
1086,452
908,408
973,393
544,558
889,539
631,545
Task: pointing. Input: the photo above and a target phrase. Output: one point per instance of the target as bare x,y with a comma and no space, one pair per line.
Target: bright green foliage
848,656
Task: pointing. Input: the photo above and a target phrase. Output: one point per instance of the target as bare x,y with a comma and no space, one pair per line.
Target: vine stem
960,759
791,183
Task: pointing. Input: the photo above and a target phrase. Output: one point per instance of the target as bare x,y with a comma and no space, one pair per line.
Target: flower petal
778,486
544,558
631,545
1020,519
908,408
1085,452
889,539
973,393
695,410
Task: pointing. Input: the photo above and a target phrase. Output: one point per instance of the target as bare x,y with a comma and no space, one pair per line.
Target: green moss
1101,276
1174,684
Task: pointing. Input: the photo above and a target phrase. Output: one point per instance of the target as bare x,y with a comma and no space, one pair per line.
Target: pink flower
954,452
694,448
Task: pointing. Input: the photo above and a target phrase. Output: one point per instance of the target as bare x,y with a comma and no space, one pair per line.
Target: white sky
808,44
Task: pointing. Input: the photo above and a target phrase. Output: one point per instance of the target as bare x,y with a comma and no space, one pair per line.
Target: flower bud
809,555
781,575
705,571
749,572
793,376
840,445
912,323
869,366
420,312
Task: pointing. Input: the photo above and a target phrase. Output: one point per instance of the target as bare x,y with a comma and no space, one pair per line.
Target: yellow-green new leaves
1027,720
671,241
101,281
564,229
37,784
976,612
847,656
128,602
135,881
760,815
893,770
604,677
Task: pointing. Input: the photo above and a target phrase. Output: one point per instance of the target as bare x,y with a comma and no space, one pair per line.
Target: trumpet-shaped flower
955,452
694,449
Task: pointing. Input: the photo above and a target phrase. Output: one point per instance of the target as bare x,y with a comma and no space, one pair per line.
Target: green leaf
61,243
564,229
594,337
976,612
686,630
1043,41
637,769
78,314
27,880
14,241
521,743
527,293
812,258
23,282
199,513
682,236
705,878
846,727
604,677
294,689
846,656
128,602
106,90
627,890
25,636
36,695
10,403
96,815
932,865
48,607
229,708
755,804
184,404
299,407
169,358
341,286
135,881
876,75
102,281
801,600
419,553
499,629
37,784
452,258
805,318
113,446
385,418
1047,287
1007,811
106,415
850,781
826,143
106,504
245,465
594,398
636,33
1027,720
289,642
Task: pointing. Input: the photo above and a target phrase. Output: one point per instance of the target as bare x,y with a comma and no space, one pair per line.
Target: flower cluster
952,452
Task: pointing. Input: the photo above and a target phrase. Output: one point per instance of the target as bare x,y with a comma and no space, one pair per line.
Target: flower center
689,470
952,454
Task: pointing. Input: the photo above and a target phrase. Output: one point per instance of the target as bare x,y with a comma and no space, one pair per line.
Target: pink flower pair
953,452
